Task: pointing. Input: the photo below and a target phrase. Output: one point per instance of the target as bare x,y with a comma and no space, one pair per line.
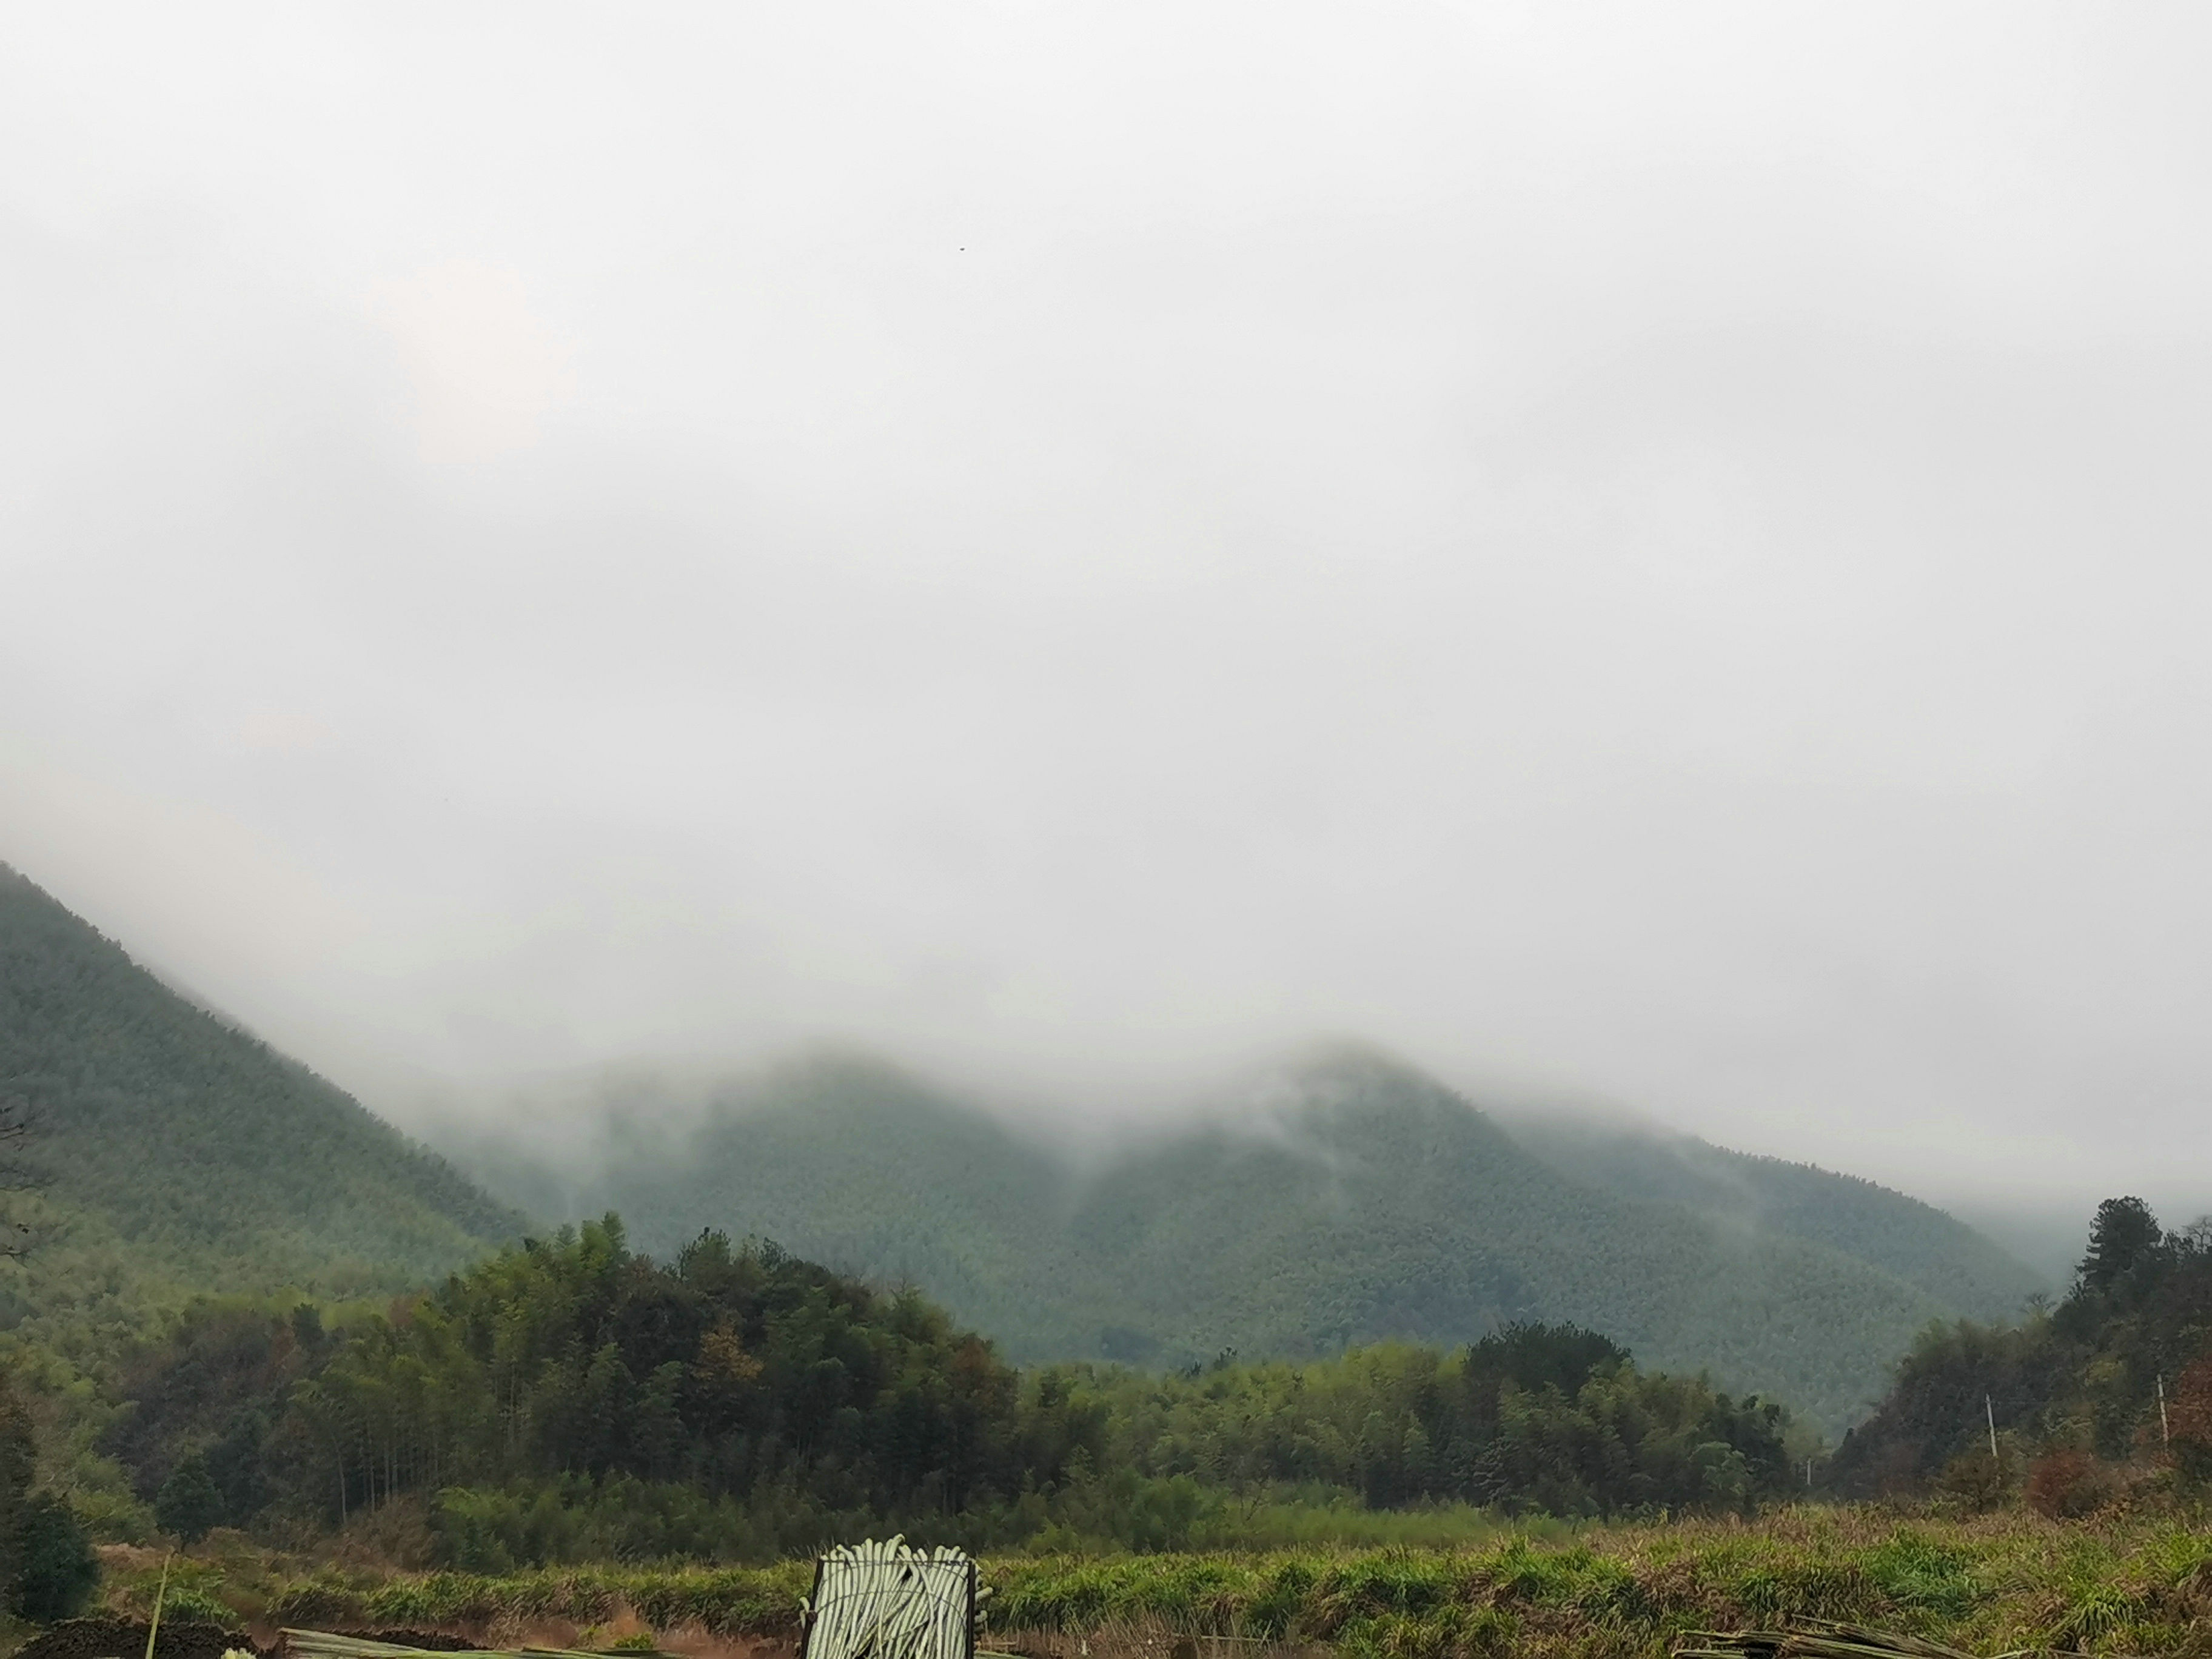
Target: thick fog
1651,554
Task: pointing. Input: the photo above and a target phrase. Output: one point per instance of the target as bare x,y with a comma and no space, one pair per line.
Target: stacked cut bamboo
884,1601
1820,1638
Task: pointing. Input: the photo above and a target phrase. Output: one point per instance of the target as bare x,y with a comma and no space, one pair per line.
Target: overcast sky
1659,553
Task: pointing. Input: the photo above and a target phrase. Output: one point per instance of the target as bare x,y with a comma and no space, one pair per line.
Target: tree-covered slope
2107,1389
176,1150
1380,1205
854,1164
1364,1202
1921,1245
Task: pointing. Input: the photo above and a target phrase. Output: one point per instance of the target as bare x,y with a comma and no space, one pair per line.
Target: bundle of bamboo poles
1820,1638
884,1601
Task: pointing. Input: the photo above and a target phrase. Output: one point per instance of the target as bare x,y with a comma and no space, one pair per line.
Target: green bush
189,1504
57,1570
324,1601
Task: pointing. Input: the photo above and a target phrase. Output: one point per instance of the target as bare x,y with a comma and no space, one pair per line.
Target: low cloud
486,372
1629,553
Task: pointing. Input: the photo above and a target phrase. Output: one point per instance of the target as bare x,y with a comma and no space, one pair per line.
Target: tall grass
2139,1585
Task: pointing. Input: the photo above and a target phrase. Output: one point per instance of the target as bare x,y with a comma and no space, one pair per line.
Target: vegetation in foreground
2128,1584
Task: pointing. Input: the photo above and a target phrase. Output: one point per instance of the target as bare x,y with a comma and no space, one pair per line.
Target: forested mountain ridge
176,1154
1921,1245
1358,1202
1363,1202
854,1164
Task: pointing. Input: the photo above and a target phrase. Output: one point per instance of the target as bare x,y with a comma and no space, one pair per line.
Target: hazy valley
1349,1305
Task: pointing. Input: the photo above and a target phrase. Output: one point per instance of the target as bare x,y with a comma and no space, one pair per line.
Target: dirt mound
124,1638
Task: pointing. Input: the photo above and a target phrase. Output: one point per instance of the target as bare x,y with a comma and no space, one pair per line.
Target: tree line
571,1396
2108,1390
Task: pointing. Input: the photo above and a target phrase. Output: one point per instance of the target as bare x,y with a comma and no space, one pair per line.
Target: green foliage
735,1373
570,1402
46,1565
1370,1205
18,1454
1933,1252
1605,1592
1918,1571
2077,1387
2124,1237
189,1502
575,1519
181,1154
1536,1418
210,1391
57,1570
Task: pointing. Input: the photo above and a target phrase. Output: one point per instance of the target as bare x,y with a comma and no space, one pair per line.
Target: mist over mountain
1924,1246
1347,1199
1586,544
173,1153
1339,1199
1248,784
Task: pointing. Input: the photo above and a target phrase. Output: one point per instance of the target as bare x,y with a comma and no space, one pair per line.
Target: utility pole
2165,1432
1990,1412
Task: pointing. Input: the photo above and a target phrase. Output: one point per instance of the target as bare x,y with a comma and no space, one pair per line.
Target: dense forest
1363,1202
48,1568
175,1154
2111,1386
1928,1248
571,1398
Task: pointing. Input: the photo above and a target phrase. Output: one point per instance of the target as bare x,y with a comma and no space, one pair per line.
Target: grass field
2121,1585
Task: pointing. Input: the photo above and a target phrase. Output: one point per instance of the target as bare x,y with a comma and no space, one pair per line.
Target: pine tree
2124,1236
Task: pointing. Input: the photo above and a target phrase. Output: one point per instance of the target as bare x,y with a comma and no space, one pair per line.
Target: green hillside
1364,1203
1918,1242
850,1163
177,1154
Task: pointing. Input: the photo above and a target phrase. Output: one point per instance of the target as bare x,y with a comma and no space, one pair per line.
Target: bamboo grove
736,1401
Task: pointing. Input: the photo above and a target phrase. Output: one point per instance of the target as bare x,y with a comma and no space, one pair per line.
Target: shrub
188,1504
2189,1412
325,1602
195,1604
56,1567
1973,1479
2066,1485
